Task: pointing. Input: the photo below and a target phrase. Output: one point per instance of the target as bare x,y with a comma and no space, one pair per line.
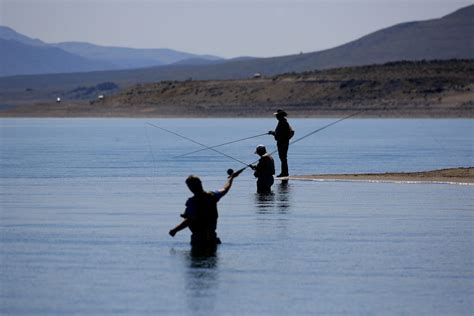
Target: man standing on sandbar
201,214
283,133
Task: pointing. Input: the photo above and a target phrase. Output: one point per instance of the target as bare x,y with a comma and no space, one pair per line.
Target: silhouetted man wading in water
201,214
264,170
283,133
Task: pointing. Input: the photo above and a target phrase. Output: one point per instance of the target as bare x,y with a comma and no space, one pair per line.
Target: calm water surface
86,204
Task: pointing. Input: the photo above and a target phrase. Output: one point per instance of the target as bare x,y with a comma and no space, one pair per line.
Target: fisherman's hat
280,112
260,148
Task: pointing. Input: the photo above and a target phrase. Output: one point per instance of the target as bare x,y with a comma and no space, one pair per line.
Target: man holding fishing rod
264,170
200,215
282,133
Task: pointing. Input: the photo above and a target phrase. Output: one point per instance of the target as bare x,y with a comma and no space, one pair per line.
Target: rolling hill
22,55
444,38
8,33
128,58
42,59
397,89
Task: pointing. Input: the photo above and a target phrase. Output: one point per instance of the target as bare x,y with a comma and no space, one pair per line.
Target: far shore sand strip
462,176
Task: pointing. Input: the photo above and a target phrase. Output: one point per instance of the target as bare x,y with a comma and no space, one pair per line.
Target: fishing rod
219,145
196,142
231,171
317,130
324,127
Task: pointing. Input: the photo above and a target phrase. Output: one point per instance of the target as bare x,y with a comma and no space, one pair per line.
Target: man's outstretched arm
228,184
181,226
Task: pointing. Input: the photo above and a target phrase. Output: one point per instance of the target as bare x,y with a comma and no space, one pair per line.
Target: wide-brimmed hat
260,148
280,112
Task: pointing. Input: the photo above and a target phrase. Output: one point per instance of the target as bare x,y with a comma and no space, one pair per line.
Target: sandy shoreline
451,175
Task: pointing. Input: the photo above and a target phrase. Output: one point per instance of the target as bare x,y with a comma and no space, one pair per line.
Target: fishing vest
204,213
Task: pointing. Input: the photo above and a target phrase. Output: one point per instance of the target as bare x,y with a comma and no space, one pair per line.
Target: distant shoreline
447,176
434,89
311,115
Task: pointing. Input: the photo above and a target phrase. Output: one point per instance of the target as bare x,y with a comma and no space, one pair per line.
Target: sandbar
464,175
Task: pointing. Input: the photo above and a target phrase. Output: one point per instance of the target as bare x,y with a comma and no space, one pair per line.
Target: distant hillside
199,61
89,57
127,58
399,89
444,38
435,88
8,33
18,58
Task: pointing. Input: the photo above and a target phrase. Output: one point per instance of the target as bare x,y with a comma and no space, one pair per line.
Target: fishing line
317,130
324,127
230,171
153,157
219,145
196,142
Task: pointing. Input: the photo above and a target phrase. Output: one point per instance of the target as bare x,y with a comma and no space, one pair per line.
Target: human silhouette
282,133
200,215
264,170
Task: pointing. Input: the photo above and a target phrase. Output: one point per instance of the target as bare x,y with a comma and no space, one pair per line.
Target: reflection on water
279,201
264,201
284,196
85,207
201,279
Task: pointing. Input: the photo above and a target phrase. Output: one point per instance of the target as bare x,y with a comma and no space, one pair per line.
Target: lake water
86,205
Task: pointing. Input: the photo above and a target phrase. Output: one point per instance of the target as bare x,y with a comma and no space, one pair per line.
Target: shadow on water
279,201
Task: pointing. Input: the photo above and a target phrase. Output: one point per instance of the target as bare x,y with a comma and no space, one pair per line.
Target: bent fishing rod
230,171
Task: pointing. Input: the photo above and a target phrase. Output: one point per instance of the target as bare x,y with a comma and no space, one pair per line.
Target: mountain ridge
8,33
42,58
130,57
443,38
92,57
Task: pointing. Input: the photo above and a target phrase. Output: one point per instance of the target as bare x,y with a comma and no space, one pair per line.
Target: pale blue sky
227,28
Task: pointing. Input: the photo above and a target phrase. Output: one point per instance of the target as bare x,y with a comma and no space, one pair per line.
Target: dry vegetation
401,89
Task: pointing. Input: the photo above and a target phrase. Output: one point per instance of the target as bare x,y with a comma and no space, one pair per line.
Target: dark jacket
264,172
283,132
265,167
201,210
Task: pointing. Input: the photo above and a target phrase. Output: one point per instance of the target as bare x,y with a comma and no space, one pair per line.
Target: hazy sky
227,28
